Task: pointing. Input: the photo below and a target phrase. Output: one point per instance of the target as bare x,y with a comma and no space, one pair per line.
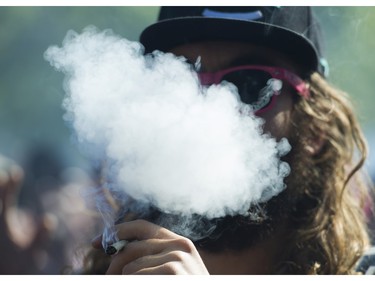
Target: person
317,224
42,240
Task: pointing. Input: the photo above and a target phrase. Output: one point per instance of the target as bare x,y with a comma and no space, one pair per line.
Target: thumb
97,242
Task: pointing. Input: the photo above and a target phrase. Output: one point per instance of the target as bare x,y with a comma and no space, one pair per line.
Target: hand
153,250
19,234
11,176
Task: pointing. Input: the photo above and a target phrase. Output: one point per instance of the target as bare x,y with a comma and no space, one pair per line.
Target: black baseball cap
293,31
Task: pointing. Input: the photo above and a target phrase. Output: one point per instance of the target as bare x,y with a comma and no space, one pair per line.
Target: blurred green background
31,90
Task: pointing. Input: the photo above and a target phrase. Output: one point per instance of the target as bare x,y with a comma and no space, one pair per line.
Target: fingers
137,230
11,176
142,230
163,263
97,242
170,268
135,250
158,256
153,250
10,172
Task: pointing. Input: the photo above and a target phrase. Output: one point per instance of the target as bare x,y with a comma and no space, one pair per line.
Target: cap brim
165,35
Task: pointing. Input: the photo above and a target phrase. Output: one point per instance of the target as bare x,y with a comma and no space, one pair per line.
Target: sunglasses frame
209,78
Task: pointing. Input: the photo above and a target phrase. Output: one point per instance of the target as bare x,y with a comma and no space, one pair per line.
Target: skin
216,56
17,243
156,250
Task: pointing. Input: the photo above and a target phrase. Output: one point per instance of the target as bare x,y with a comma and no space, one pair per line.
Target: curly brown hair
327,231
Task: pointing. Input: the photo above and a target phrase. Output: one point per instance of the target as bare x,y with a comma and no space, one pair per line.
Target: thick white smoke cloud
184,149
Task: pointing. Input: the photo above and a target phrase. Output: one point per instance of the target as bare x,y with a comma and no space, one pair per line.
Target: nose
207,78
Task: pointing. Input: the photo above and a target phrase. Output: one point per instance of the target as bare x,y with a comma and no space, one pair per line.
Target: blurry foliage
350,46
31,91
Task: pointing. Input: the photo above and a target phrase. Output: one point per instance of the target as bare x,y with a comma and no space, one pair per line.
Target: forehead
221,54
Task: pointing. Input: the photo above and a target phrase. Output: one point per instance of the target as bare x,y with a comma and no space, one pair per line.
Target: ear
314,145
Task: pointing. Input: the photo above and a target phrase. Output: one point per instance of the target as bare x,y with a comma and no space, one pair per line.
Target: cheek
278,119
278,126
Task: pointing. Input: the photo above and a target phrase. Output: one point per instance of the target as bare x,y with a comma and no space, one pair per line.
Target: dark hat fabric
293,31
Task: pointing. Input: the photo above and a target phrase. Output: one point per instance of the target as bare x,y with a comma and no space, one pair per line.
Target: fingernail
96,238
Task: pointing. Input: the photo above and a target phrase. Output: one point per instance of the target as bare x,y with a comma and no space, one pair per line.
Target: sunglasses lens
249,83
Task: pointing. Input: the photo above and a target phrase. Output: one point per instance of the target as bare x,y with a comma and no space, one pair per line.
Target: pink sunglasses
257,85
